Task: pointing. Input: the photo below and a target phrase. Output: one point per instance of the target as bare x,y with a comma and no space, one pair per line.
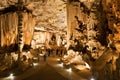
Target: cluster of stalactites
9,28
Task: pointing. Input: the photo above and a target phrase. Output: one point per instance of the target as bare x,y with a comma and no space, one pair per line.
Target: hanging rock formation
99,39
15,25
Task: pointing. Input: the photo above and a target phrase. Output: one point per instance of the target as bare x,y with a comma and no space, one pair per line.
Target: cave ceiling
49,14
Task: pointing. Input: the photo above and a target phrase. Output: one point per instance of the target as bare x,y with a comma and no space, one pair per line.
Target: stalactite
101,22
8,27
29,24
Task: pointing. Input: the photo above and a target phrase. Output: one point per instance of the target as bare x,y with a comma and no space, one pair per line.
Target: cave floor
50,70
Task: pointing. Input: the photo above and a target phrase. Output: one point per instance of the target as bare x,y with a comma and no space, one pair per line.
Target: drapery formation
9,28
101,44
28,29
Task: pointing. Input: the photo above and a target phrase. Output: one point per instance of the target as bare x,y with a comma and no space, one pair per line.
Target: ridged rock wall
9,29
100,44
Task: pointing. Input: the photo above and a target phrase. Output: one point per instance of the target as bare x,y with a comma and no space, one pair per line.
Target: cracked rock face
52,14
49,13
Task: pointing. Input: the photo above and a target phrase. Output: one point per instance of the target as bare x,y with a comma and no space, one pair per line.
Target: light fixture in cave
28,52
92,78
11,76
58,59
35,64
69,70
61,64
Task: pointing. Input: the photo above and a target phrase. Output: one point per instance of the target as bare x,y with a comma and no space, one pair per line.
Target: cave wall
112,10
41,38
91,30
48,39
73,9
9,30
102,22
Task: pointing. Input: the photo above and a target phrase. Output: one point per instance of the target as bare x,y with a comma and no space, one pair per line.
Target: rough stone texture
102,23
50,13
51,17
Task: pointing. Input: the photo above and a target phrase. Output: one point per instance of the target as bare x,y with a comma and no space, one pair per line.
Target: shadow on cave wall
13,48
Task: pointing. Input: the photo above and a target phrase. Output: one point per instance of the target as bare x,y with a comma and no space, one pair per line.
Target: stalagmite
102,33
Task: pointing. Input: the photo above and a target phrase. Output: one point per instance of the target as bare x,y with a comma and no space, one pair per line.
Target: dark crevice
14,8
13,48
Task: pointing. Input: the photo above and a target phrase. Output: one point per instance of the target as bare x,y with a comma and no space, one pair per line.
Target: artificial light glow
65,46
28,51
92,79
35,58
69,70
58,59
35,64
11,74
61,65
11,77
